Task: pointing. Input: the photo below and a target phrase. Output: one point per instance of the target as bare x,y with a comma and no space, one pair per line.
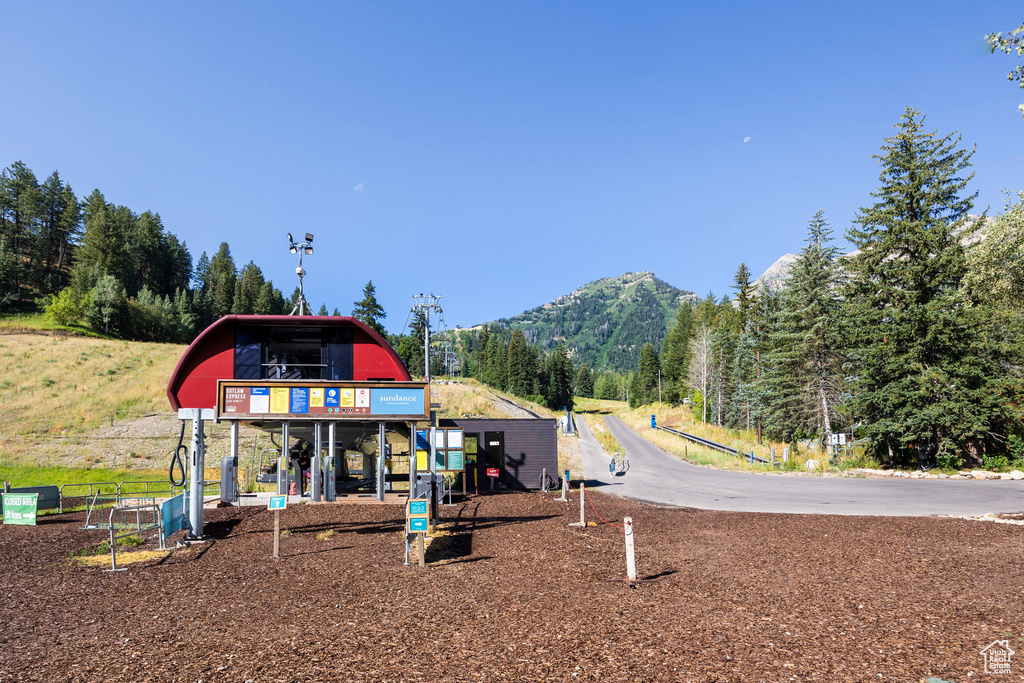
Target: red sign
492,471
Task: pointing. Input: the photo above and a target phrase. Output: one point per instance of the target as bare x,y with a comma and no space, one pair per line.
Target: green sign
20,508
455,460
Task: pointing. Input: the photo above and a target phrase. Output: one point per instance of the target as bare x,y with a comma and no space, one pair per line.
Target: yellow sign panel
316,397
348,398
279,399
421,461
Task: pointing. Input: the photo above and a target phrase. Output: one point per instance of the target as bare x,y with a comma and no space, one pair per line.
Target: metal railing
147,518
98,505
716,446
98,485
159,486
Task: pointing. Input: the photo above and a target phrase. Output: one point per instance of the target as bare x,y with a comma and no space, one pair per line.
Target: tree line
912,342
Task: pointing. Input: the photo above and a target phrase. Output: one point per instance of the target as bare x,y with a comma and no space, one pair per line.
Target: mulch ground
511,592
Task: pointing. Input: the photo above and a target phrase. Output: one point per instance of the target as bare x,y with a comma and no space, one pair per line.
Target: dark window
339,353
294,353
247,353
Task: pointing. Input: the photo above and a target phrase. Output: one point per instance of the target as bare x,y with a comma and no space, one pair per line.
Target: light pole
299,248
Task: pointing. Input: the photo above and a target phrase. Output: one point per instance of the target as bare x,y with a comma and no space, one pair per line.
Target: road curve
655,476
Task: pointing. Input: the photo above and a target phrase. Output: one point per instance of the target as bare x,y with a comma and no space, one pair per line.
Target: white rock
1005,475
811,465
1017,474
943,476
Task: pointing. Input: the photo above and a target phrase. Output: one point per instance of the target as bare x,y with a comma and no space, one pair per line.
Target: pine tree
520,365
583,383
559,396
221,280
648,372
369,310
741,283
921,384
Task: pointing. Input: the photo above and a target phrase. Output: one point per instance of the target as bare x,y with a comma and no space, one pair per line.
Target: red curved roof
211,356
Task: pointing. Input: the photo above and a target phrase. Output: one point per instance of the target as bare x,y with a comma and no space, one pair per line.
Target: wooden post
422,550
583,495
277,533
627,525
565,490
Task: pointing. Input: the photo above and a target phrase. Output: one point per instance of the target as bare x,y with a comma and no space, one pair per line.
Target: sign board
323,400
492,471
172,514
417,516
20,508
278,503
456,461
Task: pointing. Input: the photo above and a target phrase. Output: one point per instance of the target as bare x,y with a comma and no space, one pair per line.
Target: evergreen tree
648,373
922,383
559,396
744,290
221,281
369,310
583,384
675,352
496,369
520,365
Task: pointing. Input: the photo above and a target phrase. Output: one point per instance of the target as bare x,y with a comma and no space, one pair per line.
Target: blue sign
332,399
418,525
422,444
300,401
172,513
278,503
260,391
396,401
417,507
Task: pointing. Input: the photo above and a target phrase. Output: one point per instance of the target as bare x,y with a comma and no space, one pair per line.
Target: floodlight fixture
309,237
309,250
292,249
290,238
300,248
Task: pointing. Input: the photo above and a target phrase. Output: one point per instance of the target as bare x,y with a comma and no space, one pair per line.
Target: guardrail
150,511
716,446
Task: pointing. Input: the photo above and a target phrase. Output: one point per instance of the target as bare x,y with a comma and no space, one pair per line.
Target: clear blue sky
498,153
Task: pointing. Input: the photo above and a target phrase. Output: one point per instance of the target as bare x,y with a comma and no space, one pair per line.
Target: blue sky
499,154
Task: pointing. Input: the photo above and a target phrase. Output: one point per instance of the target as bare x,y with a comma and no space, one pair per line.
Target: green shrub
1016,448
995,462
66,308
948,462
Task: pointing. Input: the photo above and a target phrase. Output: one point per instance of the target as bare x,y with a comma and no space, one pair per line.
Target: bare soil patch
511,592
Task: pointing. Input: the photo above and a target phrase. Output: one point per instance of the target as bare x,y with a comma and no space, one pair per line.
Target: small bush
948,462
66,308
995,462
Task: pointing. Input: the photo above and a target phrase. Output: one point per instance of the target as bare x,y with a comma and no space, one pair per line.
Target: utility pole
425,303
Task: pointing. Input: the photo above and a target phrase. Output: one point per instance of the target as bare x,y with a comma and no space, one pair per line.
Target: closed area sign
20,508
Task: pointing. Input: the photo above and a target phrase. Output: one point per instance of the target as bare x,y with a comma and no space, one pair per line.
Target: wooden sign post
417,522
277,503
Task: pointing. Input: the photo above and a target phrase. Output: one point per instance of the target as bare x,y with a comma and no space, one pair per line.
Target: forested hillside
605,322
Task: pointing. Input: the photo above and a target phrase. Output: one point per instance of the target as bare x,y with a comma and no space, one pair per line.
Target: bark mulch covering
511,592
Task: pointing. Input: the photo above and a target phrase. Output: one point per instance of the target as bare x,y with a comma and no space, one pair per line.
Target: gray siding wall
530,447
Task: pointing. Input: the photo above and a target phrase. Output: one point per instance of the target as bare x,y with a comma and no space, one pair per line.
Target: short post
277,533
751,456
583,495
773,455
565,488
785,454
627,525
544,480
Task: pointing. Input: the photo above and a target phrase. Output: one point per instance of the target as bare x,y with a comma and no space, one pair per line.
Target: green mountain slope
604,323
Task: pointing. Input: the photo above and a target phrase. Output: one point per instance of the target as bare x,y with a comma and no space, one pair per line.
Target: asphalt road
655,476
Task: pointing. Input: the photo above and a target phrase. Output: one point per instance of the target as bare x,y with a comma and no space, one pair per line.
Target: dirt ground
511,592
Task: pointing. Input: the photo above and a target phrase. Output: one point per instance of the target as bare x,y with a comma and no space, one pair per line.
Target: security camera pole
299,248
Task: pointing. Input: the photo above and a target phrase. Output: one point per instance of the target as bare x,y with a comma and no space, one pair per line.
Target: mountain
605,322
776,275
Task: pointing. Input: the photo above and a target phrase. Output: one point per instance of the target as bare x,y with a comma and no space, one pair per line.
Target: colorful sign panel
20,508
456,460
324,400
278,503
492,472
417,516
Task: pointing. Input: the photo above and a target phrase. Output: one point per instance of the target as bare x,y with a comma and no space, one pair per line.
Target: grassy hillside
605,322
